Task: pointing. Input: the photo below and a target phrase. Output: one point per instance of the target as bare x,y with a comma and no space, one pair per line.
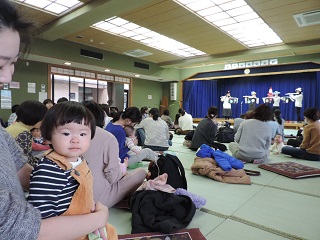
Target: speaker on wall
173,91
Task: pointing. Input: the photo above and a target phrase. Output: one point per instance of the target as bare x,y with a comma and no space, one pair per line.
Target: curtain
202,96
187,91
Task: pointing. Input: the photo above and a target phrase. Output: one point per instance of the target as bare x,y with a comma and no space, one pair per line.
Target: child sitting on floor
277,145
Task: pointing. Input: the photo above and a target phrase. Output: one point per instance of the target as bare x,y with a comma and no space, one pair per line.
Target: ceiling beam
87,15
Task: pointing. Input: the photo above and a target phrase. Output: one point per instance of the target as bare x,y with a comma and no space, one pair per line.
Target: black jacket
156,211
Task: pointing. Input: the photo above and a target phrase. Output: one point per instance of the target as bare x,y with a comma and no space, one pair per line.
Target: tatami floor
272,207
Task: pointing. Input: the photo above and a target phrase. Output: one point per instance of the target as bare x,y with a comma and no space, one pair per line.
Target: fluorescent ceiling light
236,18
123,28
56,7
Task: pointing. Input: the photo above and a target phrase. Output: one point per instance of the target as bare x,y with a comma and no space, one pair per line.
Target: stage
287,125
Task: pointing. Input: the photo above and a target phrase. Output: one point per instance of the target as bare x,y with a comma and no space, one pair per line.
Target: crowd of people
84,141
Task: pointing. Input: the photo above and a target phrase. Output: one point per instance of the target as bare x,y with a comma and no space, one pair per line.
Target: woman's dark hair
176,119
105,108
212,112
277,115
312,113
62,99
143,110
249,114
132,113
166,112
97,112
181,111
11,18
263,113
155,113
31,112
14,108
48,100
66,112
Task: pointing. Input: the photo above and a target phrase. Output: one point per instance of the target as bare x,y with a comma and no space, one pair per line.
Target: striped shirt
51,188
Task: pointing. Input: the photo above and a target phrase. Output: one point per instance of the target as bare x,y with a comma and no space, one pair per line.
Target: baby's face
36,133
278,139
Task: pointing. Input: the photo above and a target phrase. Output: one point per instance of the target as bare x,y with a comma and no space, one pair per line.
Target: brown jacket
208,167
311,138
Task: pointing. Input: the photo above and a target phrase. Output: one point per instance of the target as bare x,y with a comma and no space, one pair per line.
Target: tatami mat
272,207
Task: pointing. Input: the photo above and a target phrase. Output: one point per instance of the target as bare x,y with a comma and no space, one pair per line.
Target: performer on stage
276,101
253,100
269,99
226,110
297,97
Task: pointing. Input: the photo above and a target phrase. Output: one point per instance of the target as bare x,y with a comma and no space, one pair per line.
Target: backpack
171,165
225,134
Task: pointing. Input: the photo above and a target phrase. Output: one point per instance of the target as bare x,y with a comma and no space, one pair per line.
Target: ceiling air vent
307,18
137,53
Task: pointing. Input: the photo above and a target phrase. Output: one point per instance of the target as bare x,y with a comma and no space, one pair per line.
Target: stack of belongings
158,207
219,166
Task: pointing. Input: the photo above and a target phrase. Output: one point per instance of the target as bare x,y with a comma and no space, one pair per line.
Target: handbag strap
251,172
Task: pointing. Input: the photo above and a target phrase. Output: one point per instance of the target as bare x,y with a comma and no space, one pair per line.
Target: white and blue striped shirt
51,188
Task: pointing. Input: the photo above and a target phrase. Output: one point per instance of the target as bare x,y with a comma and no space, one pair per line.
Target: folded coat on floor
156,211
208,167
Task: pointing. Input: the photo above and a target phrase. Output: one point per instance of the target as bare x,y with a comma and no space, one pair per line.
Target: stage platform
287,125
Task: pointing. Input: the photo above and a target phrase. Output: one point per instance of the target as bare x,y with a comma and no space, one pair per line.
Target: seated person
185,123
110,184
38,143
237,122
253,138
29,115
296,141
274,128
277,145
165,117
206,131
156,131
131,143
310,147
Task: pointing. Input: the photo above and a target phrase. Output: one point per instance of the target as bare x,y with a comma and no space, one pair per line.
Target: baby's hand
125,161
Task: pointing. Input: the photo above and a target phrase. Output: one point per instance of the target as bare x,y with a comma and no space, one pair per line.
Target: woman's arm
111,170
306,137
24,176
72,227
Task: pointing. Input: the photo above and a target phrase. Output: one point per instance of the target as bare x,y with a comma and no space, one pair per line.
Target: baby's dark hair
66,112
129,130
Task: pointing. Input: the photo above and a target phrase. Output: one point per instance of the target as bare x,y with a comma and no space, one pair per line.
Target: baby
131,141
278,145
38,144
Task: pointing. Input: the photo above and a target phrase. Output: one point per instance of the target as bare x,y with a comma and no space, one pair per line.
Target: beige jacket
208,167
